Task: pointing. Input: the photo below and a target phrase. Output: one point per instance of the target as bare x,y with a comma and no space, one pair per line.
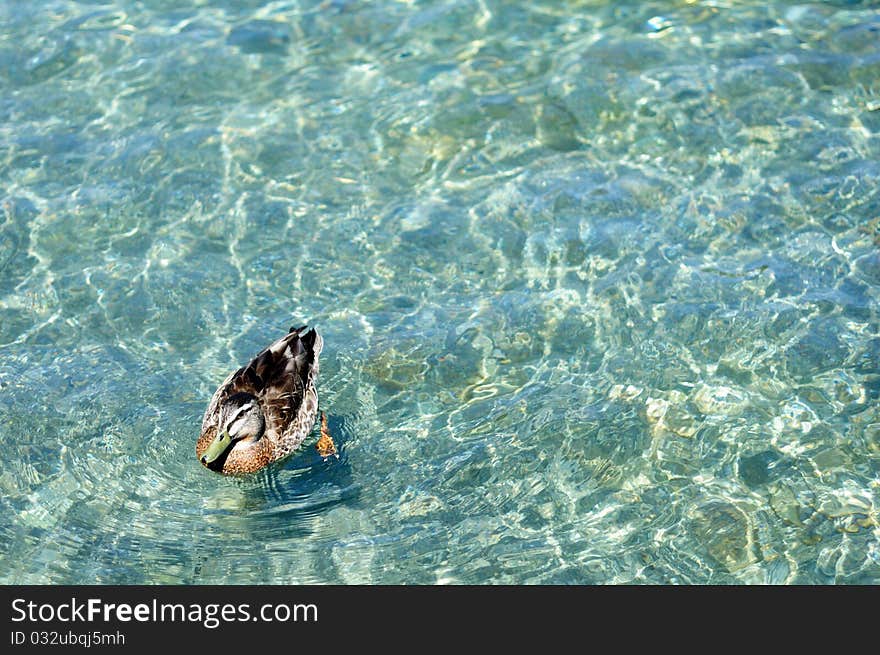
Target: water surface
599,284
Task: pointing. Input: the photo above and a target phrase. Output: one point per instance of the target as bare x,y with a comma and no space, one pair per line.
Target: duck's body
264,410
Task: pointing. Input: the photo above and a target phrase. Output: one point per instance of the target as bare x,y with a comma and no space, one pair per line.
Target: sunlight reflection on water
598,284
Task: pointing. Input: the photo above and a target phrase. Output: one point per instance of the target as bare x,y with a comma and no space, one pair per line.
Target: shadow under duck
265,409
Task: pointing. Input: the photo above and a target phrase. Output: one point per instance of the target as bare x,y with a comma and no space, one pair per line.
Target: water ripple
599,290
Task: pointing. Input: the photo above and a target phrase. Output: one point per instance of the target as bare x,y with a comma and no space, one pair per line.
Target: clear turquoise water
599,284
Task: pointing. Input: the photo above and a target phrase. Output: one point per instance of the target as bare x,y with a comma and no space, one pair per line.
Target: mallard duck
265,409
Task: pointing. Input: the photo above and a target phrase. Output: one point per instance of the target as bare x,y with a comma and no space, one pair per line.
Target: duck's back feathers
282,377
287,370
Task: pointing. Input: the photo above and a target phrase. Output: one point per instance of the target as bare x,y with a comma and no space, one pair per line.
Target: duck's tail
311,340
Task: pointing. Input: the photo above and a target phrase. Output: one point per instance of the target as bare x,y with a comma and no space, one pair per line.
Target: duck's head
240,424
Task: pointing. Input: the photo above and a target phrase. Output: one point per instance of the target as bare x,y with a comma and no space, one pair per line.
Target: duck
265,410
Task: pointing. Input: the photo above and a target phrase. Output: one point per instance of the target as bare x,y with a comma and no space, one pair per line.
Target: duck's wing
283,376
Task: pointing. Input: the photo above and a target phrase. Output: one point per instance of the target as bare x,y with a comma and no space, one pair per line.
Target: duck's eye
241,411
